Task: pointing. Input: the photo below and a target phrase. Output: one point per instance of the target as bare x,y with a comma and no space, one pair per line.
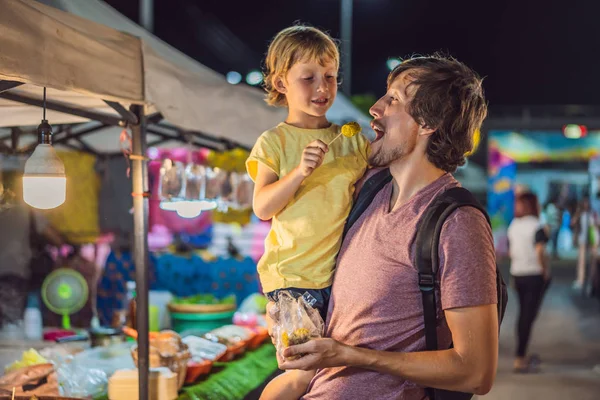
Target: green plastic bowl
200,323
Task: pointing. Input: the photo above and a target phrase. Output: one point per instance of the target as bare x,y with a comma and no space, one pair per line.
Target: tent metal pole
195,144
213,140
64,139
14,136
162,135
154,118
140,226
77,135
62,108
7,85
207,141
211,145
123,112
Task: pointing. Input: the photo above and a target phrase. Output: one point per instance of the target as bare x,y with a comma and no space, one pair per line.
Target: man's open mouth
379,132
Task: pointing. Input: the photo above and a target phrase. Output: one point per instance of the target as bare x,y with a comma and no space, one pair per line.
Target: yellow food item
299,336
30,357
351,129
301,332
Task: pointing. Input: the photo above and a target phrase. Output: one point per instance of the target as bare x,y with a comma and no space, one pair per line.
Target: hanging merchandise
236,192
77,219
195,199
244,189
195,181
188,194
171,184
159,219
215,177
233,184
228,188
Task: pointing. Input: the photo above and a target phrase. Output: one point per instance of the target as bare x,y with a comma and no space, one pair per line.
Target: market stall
101,74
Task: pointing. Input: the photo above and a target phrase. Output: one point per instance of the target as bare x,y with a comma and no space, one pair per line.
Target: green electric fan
65,292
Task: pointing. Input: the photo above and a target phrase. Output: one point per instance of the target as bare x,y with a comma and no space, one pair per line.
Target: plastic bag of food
78,381
295,321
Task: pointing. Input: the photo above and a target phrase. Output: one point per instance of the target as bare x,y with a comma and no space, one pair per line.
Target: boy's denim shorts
320,295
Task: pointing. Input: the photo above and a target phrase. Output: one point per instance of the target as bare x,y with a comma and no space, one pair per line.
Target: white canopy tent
83,63
106,140
90,62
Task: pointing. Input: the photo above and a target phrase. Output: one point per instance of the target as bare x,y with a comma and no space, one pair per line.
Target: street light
346,44
254,78
393,63
234,77
574,131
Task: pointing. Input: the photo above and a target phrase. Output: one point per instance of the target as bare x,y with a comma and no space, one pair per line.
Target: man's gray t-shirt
376,302
15,246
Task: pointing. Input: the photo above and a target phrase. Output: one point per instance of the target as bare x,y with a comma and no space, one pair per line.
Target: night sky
531,52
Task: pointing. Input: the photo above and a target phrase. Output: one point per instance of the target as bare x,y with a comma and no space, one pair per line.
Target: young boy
305,186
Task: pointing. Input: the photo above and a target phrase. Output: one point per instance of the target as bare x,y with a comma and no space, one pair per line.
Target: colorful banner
501,195
539,146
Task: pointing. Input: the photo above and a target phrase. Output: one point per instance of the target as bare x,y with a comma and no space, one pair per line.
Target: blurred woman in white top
530,270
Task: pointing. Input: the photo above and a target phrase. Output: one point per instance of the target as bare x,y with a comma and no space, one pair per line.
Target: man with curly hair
375,340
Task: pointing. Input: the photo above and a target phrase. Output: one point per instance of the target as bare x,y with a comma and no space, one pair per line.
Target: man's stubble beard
385,157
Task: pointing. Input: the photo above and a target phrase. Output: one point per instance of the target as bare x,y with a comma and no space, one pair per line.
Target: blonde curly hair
291,45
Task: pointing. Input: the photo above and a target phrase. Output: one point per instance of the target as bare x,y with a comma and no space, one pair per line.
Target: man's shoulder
467,220
467,228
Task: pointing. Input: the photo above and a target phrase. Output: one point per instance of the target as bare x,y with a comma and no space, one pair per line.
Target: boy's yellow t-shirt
305,237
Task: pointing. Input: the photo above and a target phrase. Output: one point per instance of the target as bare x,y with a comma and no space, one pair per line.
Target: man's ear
280,85
425,130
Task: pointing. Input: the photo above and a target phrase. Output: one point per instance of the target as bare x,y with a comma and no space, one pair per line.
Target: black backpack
426,256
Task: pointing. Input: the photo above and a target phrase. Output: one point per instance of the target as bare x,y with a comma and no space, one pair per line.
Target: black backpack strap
427,257
367,193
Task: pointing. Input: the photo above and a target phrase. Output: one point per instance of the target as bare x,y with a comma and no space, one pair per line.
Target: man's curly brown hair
448,97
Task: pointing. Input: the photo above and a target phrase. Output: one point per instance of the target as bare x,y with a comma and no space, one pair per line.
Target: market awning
114,59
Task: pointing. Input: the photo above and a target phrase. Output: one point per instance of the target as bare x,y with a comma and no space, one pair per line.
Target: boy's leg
321,296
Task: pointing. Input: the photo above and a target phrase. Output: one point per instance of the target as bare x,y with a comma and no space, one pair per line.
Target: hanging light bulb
44,181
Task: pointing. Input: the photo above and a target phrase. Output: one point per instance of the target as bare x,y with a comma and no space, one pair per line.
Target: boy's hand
312,157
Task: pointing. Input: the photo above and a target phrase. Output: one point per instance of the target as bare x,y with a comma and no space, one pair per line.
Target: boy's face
310,87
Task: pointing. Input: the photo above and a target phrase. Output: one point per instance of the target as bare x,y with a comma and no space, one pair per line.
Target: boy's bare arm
271,194
288,386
